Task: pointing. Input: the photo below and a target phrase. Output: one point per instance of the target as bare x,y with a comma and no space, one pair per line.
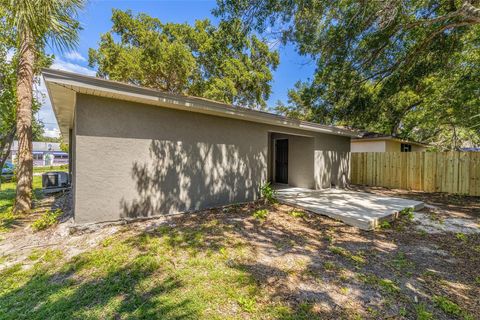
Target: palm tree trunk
23,199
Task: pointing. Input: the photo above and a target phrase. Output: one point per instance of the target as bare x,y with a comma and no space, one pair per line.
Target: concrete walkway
363,210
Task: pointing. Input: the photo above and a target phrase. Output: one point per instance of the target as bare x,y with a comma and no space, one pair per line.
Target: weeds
345,253
461,236
329,266
297,214
401,262
385,225
269,195
449,307
407,212
247,304
422,313
260,214
49,218
7,219
388,285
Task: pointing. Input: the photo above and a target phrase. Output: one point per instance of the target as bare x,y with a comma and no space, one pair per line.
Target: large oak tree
403,67
216,62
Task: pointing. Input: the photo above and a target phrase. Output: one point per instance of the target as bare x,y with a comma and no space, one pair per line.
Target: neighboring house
164,153
375,142
44,153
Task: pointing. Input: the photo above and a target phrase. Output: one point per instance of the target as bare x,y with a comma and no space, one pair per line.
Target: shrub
268,193
46,220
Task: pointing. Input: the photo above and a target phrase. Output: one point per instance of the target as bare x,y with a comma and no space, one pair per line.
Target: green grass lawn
171,273
7,197
50,168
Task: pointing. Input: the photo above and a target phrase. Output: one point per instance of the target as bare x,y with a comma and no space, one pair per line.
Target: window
37,156
405,147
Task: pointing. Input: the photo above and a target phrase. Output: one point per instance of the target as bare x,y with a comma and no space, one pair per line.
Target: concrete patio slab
363,210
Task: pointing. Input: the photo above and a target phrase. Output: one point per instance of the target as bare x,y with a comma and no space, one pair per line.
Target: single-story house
44,153
376,142
165,153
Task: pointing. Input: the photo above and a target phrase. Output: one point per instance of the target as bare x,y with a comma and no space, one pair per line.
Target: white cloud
74,56
45,114
60,64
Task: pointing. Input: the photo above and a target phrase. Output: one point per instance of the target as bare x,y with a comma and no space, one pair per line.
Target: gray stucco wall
134,160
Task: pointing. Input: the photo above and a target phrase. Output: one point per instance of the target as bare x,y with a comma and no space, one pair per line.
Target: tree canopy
216,62
410,68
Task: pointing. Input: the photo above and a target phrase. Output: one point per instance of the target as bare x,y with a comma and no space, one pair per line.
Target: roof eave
56,80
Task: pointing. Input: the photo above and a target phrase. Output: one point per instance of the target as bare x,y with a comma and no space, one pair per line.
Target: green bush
46,220
268,193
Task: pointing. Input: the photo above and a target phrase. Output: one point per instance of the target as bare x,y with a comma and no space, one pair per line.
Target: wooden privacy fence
452,172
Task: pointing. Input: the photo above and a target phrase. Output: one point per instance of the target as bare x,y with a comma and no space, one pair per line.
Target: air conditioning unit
55,180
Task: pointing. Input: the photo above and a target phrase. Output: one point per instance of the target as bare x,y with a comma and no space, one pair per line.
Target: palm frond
49,21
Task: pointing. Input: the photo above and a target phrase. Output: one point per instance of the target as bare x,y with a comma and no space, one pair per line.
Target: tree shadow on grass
117,294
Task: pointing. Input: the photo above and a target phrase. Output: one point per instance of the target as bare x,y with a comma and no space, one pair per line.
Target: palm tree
37,23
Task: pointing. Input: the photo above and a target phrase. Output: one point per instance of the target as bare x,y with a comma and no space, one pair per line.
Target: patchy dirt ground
417,269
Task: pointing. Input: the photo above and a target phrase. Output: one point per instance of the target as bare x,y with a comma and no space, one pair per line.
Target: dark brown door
281,161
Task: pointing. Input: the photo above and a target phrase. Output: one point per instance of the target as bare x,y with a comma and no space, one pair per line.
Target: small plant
329,266
297,214
407,212
247,304
388,285
422,313
338,250
7,219
260,214
401,262
461,236
49,218
449,307
385,225
269,195
345,253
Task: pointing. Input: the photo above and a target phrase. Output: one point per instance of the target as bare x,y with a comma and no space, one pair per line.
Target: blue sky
95,20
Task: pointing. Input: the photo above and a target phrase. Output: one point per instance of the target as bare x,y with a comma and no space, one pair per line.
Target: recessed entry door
281,161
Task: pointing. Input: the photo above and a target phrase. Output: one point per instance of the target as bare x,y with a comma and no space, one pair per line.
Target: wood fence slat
452,172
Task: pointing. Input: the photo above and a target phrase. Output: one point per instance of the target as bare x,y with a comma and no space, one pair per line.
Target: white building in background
44,154
374,142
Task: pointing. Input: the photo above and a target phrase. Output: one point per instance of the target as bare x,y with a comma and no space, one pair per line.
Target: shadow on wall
181,177
331,169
